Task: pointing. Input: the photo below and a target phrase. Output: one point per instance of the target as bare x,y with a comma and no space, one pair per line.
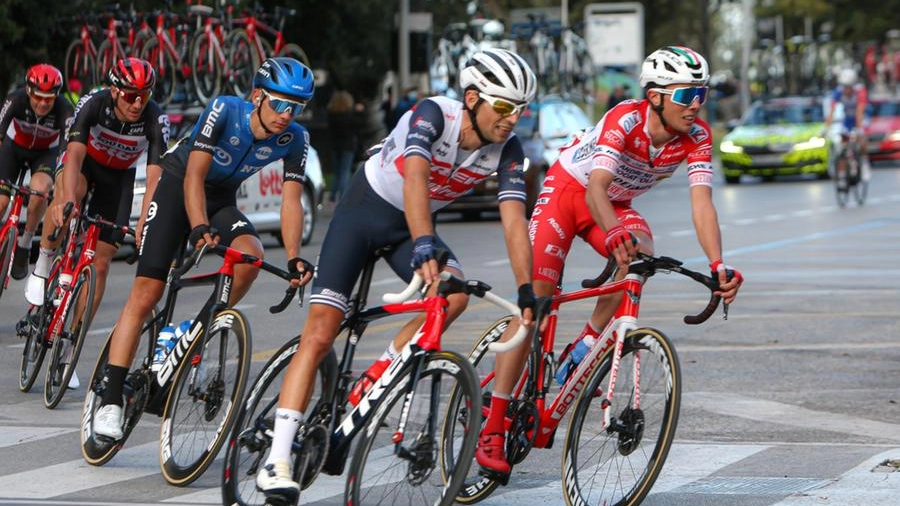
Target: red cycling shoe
368,378
491,454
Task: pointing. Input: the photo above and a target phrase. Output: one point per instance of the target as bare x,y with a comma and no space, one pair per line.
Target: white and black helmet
499,73
674,65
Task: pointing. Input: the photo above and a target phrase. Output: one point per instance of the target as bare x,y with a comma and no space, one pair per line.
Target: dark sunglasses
502,106
133,96
283,105
685,96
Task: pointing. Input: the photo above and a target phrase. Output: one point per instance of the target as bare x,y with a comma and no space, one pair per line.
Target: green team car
777,136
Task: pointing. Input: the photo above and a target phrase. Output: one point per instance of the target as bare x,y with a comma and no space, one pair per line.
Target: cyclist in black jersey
196,193
110,130
436,153
32,123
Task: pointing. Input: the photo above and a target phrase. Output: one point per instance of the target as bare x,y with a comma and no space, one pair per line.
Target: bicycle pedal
501,478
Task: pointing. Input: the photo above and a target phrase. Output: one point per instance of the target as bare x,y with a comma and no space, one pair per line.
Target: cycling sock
287,421
589,330
494,422
25,239
42,266
115,383
390,353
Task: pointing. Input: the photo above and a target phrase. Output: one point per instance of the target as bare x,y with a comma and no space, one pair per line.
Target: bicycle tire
386,472
67,346
251,436
37,320
80,65
206,73
243,62
166,71
860,191
842,195
7,249
196,423
98,451
294,51
636,450
475,487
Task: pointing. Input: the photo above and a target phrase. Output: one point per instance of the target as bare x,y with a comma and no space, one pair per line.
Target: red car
883,131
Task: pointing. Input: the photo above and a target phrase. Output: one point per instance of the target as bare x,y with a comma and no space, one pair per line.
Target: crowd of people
437,149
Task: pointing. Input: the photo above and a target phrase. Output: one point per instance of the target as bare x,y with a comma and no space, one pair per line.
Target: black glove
198,232
423,251
294,267
526,297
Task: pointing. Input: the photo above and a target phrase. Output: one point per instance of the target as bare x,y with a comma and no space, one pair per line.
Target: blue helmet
286,76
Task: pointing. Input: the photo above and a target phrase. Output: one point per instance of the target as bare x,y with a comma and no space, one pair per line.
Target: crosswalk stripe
12,435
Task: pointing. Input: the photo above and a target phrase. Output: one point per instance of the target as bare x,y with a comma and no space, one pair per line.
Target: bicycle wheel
243,62
166,71
204,398
842,194
7,249
33,327
475,487
251,438
617,465
387,472
67,345
206,73
294,51
107,54
81,65
99,450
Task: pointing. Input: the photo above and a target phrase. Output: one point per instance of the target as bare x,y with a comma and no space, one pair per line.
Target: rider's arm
511,194
706,222
416,200
597,197
194,195
6,114
291,217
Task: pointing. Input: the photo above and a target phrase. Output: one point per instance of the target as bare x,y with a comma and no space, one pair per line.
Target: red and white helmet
44,79
132,73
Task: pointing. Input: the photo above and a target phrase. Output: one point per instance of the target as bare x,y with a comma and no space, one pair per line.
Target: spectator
406,102
345,121
617,96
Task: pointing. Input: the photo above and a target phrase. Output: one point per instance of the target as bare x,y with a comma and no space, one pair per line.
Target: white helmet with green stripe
674,65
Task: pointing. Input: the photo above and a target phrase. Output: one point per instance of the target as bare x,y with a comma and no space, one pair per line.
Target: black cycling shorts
113,193
15,159
167,224
363,223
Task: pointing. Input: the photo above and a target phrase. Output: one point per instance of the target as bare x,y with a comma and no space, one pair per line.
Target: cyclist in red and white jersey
588,193
438,151
853,98
32,122
111,128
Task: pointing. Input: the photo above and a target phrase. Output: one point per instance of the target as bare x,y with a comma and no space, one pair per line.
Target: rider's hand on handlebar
203,234
621,244
57,212
424,258
301,271
730,280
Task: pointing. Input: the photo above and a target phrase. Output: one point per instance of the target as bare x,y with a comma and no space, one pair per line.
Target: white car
259,197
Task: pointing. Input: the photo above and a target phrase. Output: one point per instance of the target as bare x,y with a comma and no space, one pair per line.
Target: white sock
286,423
25,239
42,266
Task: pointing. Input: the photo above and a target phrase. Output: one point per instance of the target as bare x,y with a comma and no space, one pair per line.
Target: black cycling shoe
20,263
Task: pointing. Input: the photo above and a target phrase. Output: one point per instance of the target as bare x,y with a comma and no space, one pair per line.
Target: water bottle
164,344
182,328
579,351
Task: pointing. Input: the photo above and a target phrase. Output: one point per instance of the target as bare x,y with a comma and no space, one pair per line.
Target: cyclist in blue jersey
195,193
437,152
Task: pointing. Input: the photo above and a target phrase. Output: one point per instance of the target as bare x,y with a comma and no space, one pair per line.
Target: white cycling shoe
274,480
73,381
108,422
34,289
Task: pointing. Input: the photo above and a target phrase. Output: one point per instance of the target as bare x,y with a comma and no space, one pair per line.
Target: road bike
626,394
200,384
9,232
849,177
401,419
60,324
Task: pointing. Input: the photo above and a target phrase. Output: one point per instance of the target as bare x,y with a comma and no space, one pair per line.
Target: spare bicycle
623,424
201,383
9,232
402,417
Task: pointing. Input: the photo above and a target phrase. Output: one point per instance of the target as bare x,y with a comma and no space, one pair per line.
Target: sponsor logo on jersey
285,139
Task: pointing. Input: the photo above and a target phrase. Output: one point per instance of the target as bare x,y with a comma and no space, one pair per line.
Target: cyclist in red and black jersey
588,193
111,128
32,122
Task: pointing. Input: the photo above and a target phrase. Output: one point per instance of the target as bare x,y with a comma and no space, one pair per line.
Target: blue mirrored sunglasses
283,105
686,95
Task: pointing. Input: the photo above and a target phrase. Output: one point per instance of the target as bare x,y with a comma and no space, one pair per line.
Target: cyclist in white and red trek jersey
437,152
854,98
32,122
588,193
111,128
